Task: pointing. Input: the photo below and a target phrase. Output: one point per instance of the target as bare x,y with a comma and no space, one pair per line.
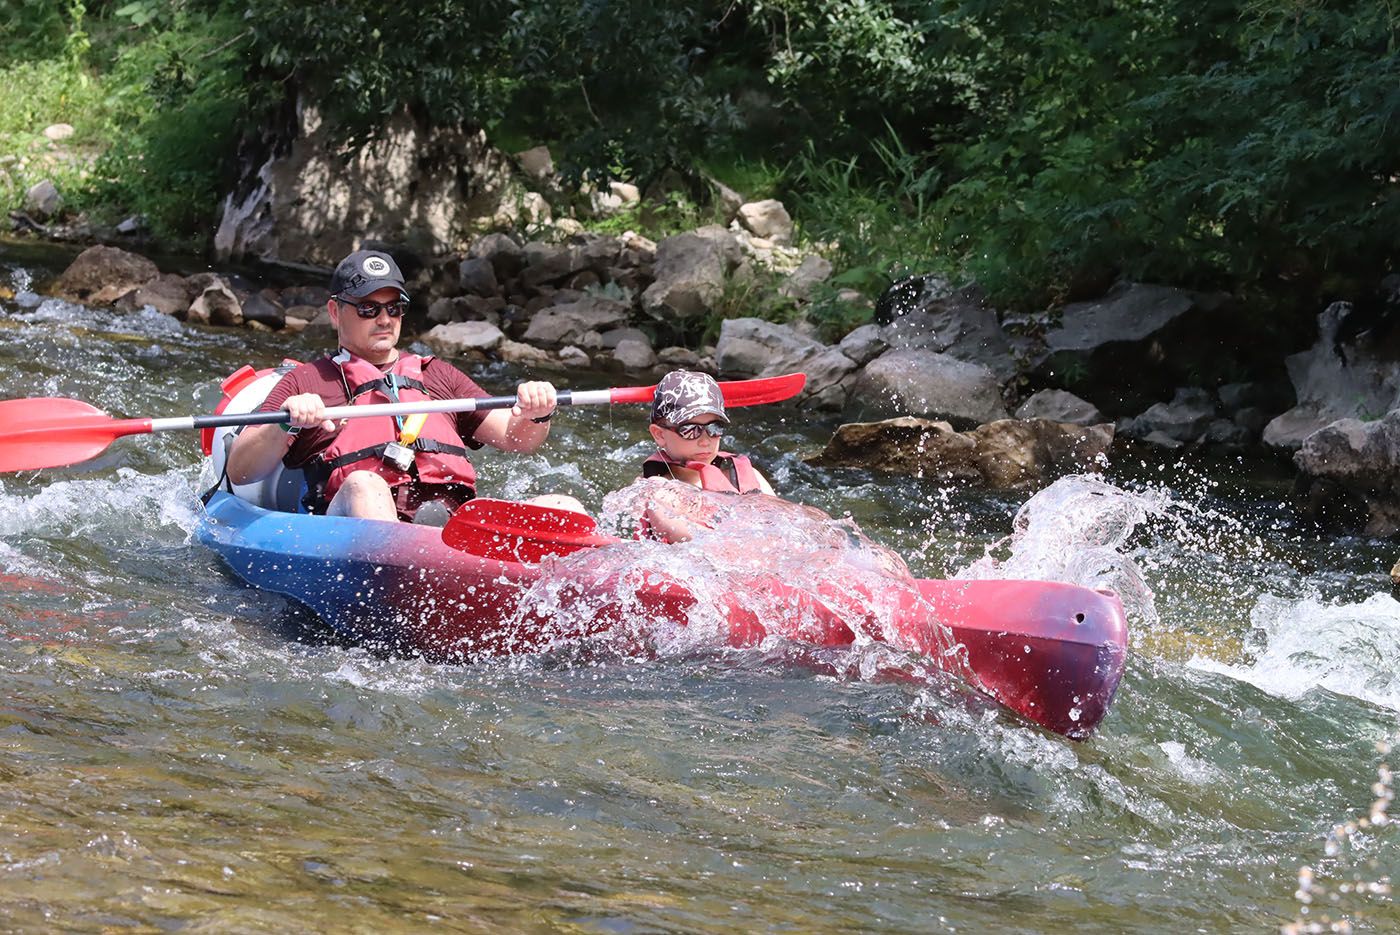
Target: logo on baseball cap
684,394
366,271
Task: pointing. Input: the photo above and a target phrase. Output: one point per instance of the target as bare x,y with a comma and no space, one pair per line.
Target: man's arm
515,429
259,448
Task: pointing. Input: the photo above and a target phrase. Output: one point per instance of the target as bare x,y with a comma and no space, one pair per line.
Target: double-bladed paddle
52,431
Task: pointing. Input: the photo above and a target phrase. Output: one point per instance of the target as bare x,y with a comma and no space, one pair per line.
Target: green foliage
1041,147
155,127
751,294
31,30
878,213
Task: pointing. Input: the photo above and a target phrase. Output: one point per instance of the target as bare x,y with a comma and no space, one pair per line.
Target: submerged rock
1005,454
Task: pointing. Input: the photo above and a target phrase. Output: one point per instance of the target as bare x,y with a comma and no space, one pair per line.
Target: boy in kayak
384,467
687,422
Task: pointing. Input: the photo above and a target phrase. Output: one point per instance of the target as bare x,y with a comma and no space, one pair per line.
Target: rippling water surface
179,751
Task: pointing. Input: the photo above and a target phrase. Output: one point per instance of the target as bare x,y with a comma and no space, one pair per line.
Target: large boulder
100,275
456,338
1337,379
752,347
167,293
1134,345
928,384
568,323
999,455
216,305
690,272
308,198
1059,406
1350,475
958,322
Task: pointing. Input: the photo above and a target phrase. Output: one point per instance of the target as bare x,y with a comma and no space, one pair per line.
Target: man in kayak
687,422
384,468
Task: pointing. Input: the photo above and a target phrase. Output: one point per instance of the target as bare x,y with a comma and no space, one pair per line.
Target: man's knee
365,484
366,494
558,501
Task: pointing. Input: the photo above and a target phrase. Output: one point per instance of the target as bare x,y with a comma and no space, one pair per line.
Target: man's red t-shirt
322,377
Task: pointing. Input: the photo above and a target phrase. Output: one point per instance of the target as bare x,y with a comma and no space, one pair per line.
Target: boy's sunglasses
693,430
367,310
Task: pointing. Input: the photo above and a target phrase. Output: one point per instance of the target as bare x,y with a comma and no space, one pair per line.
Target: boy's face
702,449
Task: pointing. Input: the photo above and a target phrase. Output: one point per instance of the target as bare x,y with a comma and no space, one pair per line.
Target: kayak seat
281,490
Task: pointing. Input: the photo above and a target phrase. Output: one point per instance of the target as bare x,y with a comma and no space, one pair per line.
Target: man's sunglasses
693,430
368,310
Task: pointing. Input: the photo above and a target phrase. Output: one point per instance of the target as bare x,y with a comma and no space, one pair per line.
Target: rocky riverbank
939,382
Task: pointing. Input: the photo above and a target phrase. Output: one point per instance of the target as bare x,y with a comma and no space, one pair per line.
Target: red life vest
727,473
440,455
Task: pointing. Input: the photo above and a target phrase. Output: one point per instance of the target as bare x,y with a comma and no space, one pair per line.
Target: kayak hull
1051,652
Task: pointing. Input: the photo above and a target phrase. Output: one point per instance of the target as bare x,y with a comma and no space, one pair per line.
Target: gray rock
537,163
615,336
100,275
927,384
1060,406
767,219
830,376
753,347
463,336
167,293
690,271
575,357
258,308
799,284
505,255
1130,312
1350,475
566,324
678,358
864,344
1184,419
1360,382
548,264
477,276
43,200
1288,431
634,355
955,322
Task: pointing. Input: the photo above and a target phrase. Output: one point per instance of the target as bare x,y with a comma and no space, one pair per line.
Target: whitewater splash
1194,576
823,567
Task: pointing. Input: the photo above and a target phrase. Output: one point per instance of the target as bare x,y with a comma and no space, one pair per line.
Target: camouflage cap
684,394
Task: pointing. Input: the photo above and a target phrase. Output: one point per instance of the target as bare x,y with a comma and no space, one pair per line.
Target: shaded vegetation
1043,148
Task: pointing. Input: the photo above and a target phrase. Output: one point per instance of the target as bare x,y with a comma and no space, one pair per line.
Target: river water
181,752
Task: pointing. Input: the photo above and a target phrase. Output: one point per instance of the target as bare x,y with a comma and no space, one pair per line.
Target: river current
179,751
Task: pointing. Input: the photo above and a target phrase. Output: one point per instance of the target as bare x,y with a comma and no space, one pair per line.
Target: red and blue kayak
1051,652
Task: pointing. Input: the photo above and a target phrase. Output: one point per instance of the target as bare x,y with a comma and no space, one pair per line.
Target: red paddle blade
52,432
507,531
736,392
